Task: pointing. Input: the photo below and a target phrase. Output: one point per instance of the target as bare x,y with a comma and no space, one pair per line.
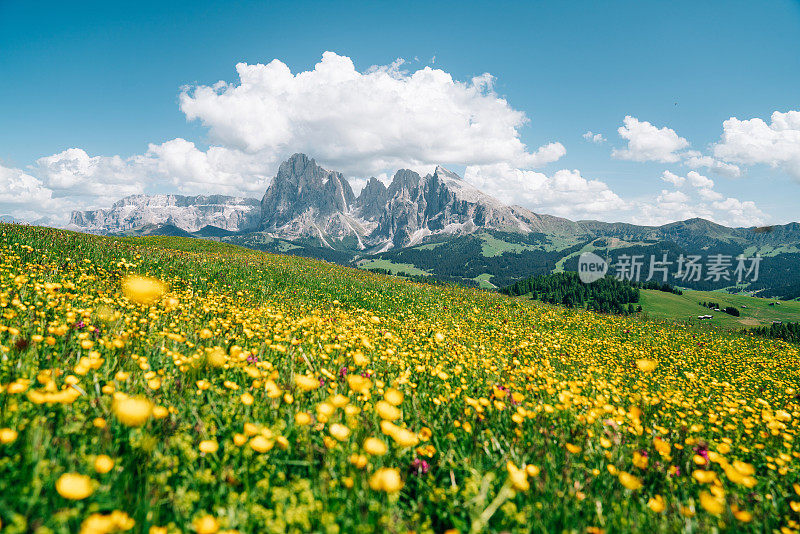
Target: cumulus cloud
738,213
672,178
704,185
672,197
547,154
364,122
217,170
649,143
25,197
753,141
709,194
177,164
663,211
700,181
18,188
695,160
698,200
594,137
74,173
743,143
375,121
565,193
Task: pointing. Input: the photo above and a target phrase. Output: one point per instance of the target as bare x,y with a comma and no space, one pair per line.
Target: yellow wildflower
74,486
143,290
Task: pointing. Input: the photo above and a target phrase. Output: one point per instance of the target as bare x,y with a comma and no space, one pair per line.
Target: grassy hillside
508,258
260,393
394,268
754,311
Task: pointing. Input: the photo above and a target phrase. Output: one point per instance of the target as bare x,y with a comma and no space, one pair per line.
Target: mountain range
436,225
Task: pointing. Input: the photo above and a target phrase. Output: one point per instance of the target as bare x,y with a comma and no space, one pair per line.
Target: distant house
777,322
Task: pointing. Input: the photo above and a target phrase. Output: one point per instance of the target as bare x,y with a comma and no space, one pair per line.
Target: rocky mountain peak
302,186
307,201
404,183
445,173
372,199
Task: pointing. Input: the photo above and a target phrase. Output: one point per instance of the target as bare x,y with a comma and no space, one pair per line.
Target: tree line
785,331
607,295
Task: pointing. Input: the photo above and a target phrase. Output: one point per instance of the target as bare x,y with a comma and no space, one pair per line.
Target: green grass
589,247
770,250
485,281
491,246
393,267
662,305
263,376
428,246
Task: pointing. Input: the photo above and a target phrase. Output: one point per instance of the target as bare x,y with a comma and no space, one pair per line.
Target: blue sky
106,79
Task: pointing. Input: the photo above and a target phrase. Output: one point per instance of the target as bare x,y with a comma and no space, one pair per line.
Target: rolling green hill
754,311
507,257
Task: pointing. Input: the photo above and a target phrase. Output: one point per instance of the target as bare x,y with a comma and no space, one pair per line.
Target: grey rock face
190,213
302,185
306,201
371,203
440,203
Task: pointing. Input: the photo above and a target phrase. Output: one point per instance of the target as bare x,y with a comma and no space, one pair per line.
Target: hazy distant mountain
160,229
190,213
697,232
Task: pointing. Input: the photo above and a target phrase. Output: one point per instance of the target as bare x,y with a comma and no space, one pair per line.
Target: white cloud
700,181
662,211
704,186
738,213
25,197
699,200
753,141
18,188
672,178
547,154
672,197
218,170
566,193
364,122
594,137
74,173
384,118
697,161
92,181
669,206
709,194
649,143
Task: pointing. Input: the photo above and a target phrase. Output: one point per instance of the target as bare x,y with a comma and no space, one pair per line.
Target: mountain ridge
437,225
189,213
306,201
